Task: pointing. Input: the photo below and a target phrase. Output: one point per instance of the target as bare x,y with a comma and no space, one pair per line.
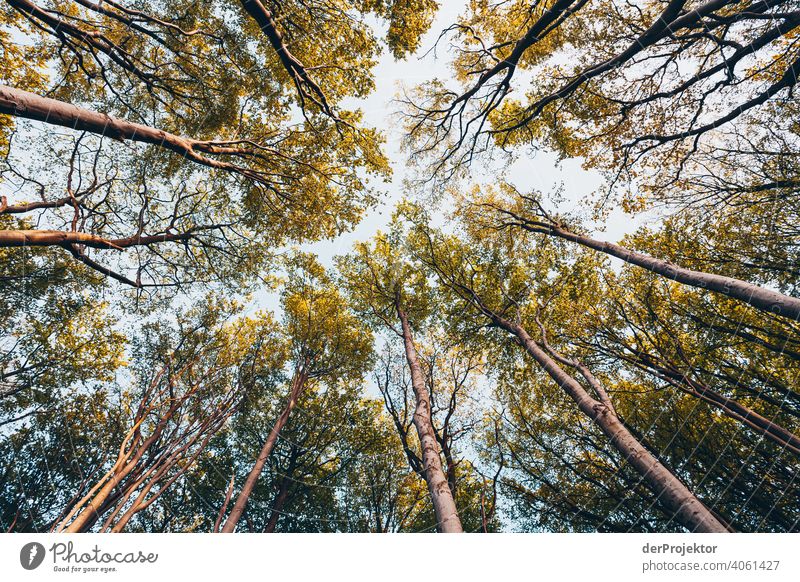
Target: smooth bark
732,408
65,238
759,297
277,506
444,505
89,509
19,103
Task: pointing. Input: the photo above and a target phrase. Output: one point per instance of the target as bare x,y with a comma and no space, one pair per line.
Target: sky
539,171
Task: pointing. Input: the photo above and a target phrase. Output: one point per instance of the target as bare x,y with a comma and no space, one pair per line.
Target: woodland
489,359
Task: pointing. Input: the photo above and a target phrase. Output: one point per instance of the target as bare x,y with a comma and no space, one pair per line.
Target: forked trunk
688,510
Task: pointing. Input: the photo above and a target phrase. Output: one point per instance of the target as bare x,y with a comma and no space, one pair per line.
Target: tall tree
394,295
488,276
646,86
526,212
191,385
217,175
453,376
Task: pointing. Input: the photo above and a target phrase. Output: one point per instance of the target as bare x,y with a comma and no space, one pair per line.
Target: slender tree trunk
90,518
19,103
770,430
759,297
688,510
444,505
450,468
225,503
298,383
277,506
44,238
93,505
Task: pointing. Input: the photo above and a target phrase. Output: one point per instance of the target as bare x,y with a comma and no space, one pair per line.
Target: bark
298,384
688,510
225,503
307,87
19,103
93,40
65,238
93,504
730,407
444,505
759,297
30,206
277,506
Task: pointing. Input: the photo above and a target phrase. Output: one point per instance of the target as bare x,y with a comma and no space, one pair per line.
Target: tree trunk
730,407
444,505
450,467
298,383
688,510
19,103
44,238
93,505
759,297
277,506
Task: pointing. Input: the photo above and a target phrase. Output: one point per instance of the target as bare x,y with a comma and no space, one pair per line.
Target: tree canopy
483,352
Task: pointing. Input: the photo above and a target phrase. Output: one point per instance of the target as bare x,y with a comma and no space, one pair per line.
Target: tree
393,294
491,359
475,211
324,339
710,404
526,212
218,176
647,87
452,375
189,390
54,339
54,454
489,278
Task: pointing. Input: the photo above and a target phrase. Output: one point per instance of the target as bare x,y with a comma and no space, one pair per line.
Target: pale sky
540,171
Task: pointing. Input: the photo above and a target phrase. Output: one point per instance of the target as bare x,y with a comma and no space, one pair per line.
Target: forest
486,351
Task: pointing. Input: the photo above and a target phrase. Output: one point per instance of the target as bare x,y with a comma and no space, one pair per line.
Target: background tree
55,334
491,277
191,385
324,340
54,454
216,176
646,86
